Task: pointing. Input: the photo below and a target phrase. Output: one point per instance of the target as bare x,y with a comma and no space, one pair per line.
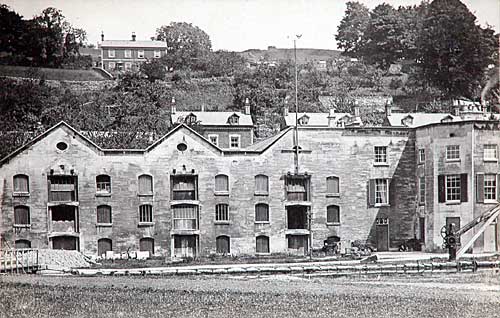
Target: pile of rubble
62,259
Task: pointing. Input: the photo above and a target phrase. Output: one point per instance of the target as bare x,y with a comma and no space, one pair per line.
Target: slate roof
420,119
315,119
214,118
134,44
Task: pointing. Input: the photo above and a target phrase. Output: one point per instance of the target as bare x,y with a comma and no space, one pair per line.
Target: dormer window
304,120
233,120
190,119
447,119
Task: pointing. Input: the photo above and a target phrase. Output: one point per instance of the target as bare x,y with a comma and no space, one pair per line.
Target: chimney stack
202,107
285,108
102,36
133,36
247,106
356,109
388,109
172,107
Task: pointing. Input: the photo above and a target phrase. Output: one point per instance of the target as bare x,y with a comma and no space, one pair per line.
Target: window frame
336,217
28,217
331,179
21,193
147,193
112,65
193,208
231,143
222,213
140,54
149,219
260,191
223,237
421,190
110,211
210,136
383,198
267,219
452,153
490,187
421,155
452,195
156,54
268,243
186,178
128,65
105,192
493,147
127,54
221,191
111,53
380,158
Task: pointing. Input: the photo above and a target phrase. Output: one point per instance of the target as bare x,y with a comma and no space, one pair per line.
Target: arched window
222,244
332,185
261,212
222,212
147,244
145,213
262,244
23,244
104,214
261,184
145,185
221,183
333,214
21,184
21,216
104,245
103,183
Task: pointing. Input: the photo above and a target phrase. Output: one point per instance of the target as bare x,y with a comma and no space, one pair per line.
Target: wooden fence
19,261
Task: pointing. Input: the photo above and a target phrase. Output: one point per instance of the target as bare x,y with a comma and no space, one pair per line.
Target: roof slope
131,44
420,119
214,118
316,119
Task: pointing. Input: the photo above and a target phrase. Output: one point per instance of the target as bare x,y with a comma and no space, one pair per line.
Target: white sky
231,24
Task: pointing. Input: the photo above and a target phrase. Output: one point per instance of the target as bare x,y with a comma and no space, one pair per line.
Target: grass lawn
50,73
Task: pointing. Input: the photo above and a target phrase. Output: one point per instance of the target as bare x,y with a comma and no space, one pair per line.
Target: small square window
140,54
128,66
157,54
380,155
214,139
234,141
112,65
453,153
490,187
111,53
103,184
490,153
128,53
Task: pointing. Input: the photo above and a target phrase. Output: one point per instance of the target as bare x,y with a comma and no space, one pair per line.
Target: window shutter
479,188
389,181
441,190
463,187
371,192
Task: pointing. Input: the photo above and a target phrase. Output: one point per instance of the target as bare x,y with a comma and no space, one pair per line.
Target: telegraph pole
296,106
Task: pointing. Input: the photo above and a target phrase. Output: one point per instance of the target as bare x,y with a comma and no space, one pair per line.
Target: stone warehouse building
186,196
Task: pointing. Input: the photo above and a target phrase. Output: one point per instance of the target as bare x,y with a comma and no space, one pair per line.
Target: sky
233,25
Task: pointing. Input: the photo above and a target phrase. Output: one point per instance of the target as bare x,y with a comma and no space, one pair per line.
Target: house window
221,183
21,184
233,120
380,154
222,213
421,186
332,185
381,191
214,139
304,120
128,54
147,244
421,155
157,54
145,214
261,184
190,119
128,65
21,216
234,141
112,65
333,214
490,153
261,213
103,184
184,187
145,185
104,214
262,244
453,187
185,217
453,152
104,245
62,188
22,244
222,244
140,54
490,187
111,53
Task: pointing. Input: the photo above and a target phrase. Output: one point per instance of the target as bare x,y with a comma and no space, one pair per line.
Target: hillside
51,73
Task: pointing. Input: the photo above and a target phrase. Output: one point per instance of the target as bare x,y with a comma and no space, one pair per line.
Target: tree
154,69
223,63
352,28
12,30
453,50
188,45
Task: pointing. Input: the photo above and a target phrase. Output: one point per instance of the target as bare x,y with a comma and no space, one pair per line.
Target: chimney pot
172,107
388,109
247,106
133,36
102,36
